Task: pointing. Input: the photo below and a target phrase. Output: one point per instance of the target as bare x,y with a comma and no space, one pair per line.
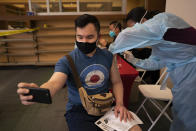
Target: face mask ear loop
143,17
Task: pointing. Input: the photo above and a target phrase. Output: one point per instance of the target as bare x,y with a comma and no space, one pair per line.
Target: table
128,75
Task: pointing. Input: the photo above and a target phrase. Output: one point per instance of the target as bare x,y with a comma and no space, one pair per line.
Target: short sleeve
62,66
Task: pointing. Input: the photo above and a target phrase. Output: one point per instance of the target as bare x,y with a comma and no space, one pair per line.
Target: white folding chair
140,78
153,93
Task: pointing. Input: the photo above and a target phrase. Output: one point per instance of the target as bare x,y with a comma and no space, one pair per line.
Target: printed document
110,123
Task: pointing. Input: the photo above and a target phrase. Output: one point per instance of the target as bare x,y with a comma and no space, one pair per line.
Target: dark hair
137,13
116,24
85,19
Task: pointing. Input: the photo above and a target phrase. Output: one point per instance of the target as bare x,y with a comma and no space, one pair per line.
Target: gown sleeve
147,34
152,63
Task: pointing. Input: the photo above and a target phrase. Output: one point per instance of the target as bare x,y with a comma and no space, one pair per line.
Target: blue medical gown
179,58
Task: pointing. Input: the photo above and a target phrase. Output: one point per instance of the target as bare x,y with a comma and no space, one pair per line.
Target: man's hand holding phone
30,93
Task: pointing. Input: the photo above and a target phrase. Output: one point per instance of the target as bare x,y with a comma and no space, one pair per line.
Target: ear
143,20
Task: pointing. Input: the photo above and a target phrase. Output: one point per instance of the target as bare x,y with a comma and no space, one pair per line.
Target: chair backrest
144,72
140,79
162,75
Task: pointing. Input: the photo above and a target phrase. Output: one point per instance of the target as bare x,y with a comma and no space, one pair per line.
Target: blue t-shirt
94,73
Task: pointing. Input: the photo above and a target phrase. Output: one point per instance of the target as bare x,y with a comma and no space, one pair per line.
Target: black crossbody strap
74,71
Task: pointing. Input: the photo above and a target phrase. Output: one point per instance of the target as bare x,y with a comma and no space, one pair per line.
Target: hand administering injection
128,55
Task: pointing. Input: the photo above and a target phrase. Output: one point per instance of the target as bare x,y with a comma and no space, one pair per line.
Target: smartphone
40,95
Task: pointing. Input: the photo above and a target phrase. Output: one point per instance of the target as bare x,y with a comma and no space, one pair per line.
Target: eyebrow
85,36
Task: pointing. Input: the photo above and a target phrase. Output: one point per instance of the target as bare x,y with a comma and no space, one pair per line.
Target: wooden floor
42,117
39,117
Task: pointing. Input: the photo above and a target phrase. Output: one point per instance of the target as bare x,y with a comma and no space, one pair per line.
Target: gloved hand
128,56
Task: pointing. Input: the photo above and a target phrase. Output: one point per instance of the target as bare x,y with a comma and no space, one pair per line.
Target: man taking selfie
96,68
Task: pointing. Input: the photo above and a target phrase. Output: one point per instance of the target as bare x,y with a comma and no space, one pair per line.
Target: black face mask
86,47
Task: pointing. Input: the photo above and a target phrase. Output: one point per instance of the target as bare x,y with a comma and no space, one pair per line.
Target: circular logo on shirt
94,76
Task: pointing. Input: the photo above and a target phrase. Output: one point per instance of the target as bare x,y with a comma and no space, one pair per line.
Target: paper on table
110,123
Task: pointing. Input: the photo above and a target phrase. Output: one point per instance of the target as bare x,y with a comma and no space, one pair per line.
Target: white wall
186,9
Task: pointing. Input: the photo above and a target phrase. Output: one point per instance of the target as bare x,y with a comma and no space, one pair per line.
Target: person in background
140,15
96,69
173,43
115,28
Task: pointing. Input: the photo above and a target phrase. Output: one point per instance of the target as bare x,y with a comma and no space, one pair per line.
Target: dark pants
78,120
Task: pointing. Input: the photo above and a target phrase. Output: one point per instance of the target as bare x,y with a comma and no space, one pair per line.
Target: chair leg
147,114
159,107
141,105
162,112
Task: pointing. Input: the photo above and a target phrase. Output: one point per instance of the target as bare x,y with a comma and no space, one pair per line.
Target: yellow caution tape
11,32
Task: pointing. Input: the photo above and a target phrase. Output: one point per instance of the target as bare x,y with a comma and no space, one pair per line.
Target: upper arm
114,73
